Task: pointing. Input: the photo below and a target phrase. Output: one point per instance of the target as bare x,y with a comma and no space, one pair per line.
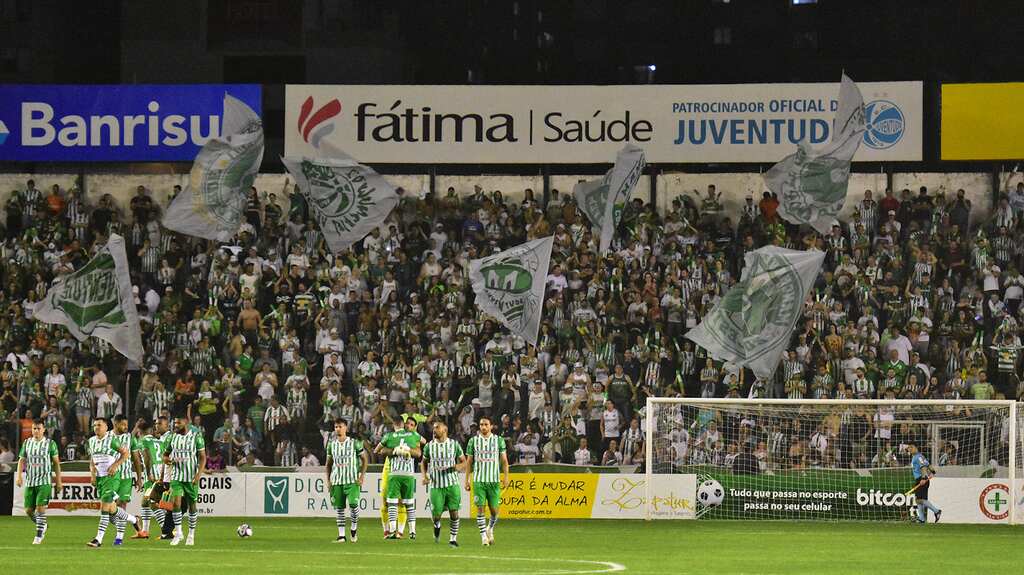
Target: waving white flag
509,285
811,184
211,205
752,324
97,301
603,200
348,198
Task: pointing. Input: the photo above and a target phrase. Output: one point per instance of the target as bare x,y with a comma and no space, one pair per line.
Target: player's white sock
353,521
40,523
392,516
102,529
410,516
339,520
160,516
453,529
494,521
176,517
481,524
119,528
147,513
193,520
123,515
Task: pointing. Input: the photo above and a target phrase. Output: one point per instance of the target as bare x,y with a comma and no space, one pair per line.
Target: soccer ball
244,530
710,493
402,449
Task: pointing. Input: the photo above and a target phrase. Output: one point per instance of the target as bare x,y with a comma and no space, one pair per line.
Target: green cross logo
996,501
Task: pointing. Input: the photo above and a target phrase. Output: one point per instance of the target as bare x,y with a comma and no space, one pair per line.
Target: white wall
733,187
977,188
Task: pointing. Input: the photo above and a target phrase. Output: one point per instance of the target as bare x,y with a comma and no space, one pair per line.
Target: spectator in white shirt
109,403
582,456
308,459
556,280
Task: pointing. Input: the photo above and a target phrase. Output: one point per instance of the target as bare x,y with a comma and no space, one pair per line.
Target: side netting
842,459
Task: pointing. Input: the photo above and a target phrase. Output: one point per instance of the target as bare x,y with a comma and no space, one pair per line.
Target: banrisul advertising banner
113,123
588,124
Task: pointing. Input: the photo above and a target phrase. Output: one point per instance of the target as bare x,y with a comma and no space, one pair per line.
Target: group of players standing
484,462
166,466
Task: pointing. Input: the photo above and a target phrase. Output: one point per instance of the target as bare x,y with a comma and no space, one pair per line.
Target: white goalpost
834,460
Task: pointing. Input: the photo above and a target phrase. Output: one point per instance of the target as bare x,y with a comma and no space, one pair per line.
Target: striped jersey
442,456
486,453
156,456
127,470
38,456
345,460
402,464
103,451
183,450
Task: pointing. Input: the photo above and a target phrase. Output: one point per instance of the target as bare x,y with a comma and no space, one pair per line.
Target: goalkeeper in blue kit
923,473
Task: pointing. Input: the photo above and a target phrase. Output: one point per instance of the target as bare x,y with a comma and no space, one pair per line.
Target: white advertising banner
588,124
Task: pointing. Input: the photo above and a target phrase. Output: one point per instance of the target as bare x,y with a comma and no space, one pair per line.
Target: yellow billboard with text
983,121
597,496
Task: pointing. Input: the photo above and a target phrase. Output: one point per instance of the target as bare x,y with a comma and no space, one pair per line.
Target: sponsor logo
40,126
313,126
275,494
3,132
994,501
884,124
884,499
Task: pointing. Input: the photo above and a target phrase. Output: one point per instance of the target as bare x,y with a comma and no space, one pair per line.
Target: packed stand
269,338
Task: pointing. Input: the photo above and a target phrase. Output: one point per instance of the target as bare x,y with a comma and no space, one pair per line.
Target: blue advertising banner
113,123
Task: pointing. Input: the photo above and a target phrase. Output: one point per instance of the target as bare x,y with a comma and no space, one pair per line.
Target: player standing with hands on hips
37,461
485,452
923,473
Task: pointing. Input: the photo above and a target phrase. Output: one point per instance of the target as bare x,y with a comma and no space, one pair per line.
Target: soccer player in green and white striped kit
153,471
487,455
37,461
346,469
106,456
401,446
442,458
128,475
185,455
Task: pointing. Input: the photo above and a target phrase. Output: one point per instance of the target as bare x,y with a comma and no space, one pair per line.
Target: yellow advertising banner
982,121
549,495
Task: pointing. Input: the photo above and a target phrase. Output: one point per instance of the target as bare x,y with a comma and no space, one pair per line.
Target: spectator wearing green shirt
982,389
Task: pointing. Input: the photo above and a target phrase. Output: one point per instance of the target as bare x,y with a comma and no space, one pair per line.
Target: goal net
841,459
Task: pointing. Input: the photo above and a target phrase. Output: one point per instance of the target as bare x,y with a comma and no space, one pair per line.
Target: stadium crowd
269,338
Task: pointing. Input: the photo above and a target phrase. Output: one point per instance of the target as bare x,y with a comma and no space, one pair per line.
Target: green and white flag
347,198
811,184
212,204
752,324
97,301
603,200
509,285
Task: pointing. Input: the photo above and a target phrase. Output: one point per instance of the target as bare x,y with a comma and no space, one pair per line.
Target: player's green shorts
345,491
124,490
401,487
488,493
38,496
184,489
106,488
445,498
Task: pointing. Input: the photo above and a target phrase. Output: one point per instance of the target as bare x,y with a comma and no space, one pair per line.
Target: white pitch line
598,566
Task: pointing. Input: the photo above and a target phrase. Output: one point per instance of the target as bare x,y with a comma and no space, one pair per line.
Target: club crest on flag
90,297
510,285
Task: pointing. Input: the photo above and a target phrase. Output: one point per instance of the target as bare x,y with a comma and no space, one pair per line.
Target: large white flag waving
509,285
603,200
811,184
211,205
752,324
348,198
97,301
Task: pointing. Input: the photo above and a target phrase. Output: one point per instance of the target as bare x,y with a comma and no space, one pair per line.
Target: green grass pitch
563,547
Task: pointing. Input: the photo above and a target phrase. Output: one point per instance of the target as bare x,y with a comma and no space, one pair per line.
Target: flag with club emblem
753,322
510,284
347,198
97,301
811,184
603,200
212,204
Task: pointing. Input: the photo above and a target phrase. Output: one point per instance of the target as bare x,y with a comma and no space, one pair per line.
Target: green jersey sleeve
53,448
200,442
458,450
115,445
469,446
358,447
21,452
136,444
501,444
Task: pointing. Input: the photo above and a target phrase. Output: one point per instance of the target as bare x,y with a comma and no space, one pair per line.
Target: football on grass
244,530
